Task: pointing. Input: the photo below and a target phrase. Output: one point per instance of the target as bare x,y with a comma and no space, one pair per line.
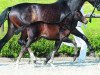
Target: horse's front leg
23,43
82,36
33,59
75,50
23,49
50,57
66,39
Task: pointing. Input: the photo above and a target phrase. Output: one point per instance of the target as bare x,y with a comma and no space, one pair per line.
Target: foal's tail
3,15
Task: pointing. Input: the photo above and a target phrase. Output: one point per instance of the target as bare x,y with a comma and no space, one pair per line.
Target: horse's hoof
92,54
45,63
52,65
74,58
34,61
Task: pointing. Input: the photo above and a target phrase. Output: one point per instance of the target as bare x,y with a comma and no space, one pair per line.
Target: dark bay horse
26,13
18,15
17,18
49,31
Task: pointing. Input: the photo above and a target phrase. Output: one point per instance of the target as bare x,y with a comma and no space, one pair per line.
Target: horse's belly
50,31
47,14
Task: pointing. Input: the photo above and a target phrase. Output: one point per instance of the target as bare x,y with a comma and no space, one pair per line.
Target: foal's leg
23,42
51,55
32,37
66,39
33,59
57,45
23,49
82,36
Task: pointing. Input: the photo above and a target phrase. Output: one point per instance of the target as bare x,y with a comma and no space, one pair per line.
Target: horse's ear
76,15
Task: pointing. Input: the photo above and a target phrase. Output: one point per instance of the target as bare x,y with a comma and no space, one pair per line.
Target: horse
48,31
17,12
33,13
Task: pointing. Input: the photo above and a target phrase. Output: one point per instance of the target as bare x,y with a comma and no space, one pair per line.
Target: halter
96,5
90,19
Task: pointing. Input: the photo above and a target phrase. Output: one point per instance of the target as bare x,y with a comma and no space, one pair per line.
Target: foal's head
79,17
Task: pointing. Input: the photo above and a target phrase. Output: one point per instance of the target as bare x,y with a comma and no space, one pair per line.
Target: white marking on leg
75,50
20,55
52,58
31,55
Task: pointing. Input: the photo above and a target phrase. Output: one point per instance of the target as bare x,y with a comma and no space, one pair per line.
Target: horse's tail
3,15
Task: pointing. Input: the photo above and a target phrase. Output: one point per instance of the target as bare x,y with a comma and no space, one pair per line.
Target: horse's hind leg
29,42
25,43
23,49
32,37
22,41
50,57
8,36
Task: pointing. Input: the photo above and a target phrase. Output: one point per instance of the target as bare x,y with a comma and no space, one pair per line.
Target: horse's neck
75,4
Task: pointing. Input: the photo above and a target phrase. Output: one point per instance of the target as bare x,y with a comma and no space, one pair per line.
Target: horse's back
49,13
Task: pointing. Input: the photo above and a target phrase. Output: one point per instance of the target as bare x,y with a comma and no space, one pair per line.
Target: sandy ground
63,66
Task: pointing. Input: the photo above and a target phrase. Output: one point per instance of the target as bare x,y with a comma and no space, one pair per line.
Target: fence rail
93,16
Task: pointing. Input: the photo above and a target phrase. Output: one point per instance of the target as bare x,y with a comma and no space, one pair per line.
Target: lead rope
90,19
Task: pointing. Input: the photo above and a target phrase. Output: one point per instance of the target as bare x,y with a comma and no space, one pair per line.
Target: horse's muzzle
84,20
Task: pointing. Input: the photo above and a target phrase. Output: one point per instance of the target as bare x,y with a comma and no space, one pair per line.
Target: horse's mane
62,0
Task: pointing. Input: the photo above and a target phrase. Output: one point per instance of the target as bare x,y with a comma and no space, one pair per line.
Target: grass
94,27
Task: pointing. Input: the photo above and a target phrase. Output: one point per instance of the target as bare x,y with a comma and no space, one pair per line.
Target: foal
58,33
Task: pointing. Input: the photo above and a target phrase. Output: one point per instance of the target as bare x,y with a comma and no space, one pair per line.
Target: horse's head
79,17
95,3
